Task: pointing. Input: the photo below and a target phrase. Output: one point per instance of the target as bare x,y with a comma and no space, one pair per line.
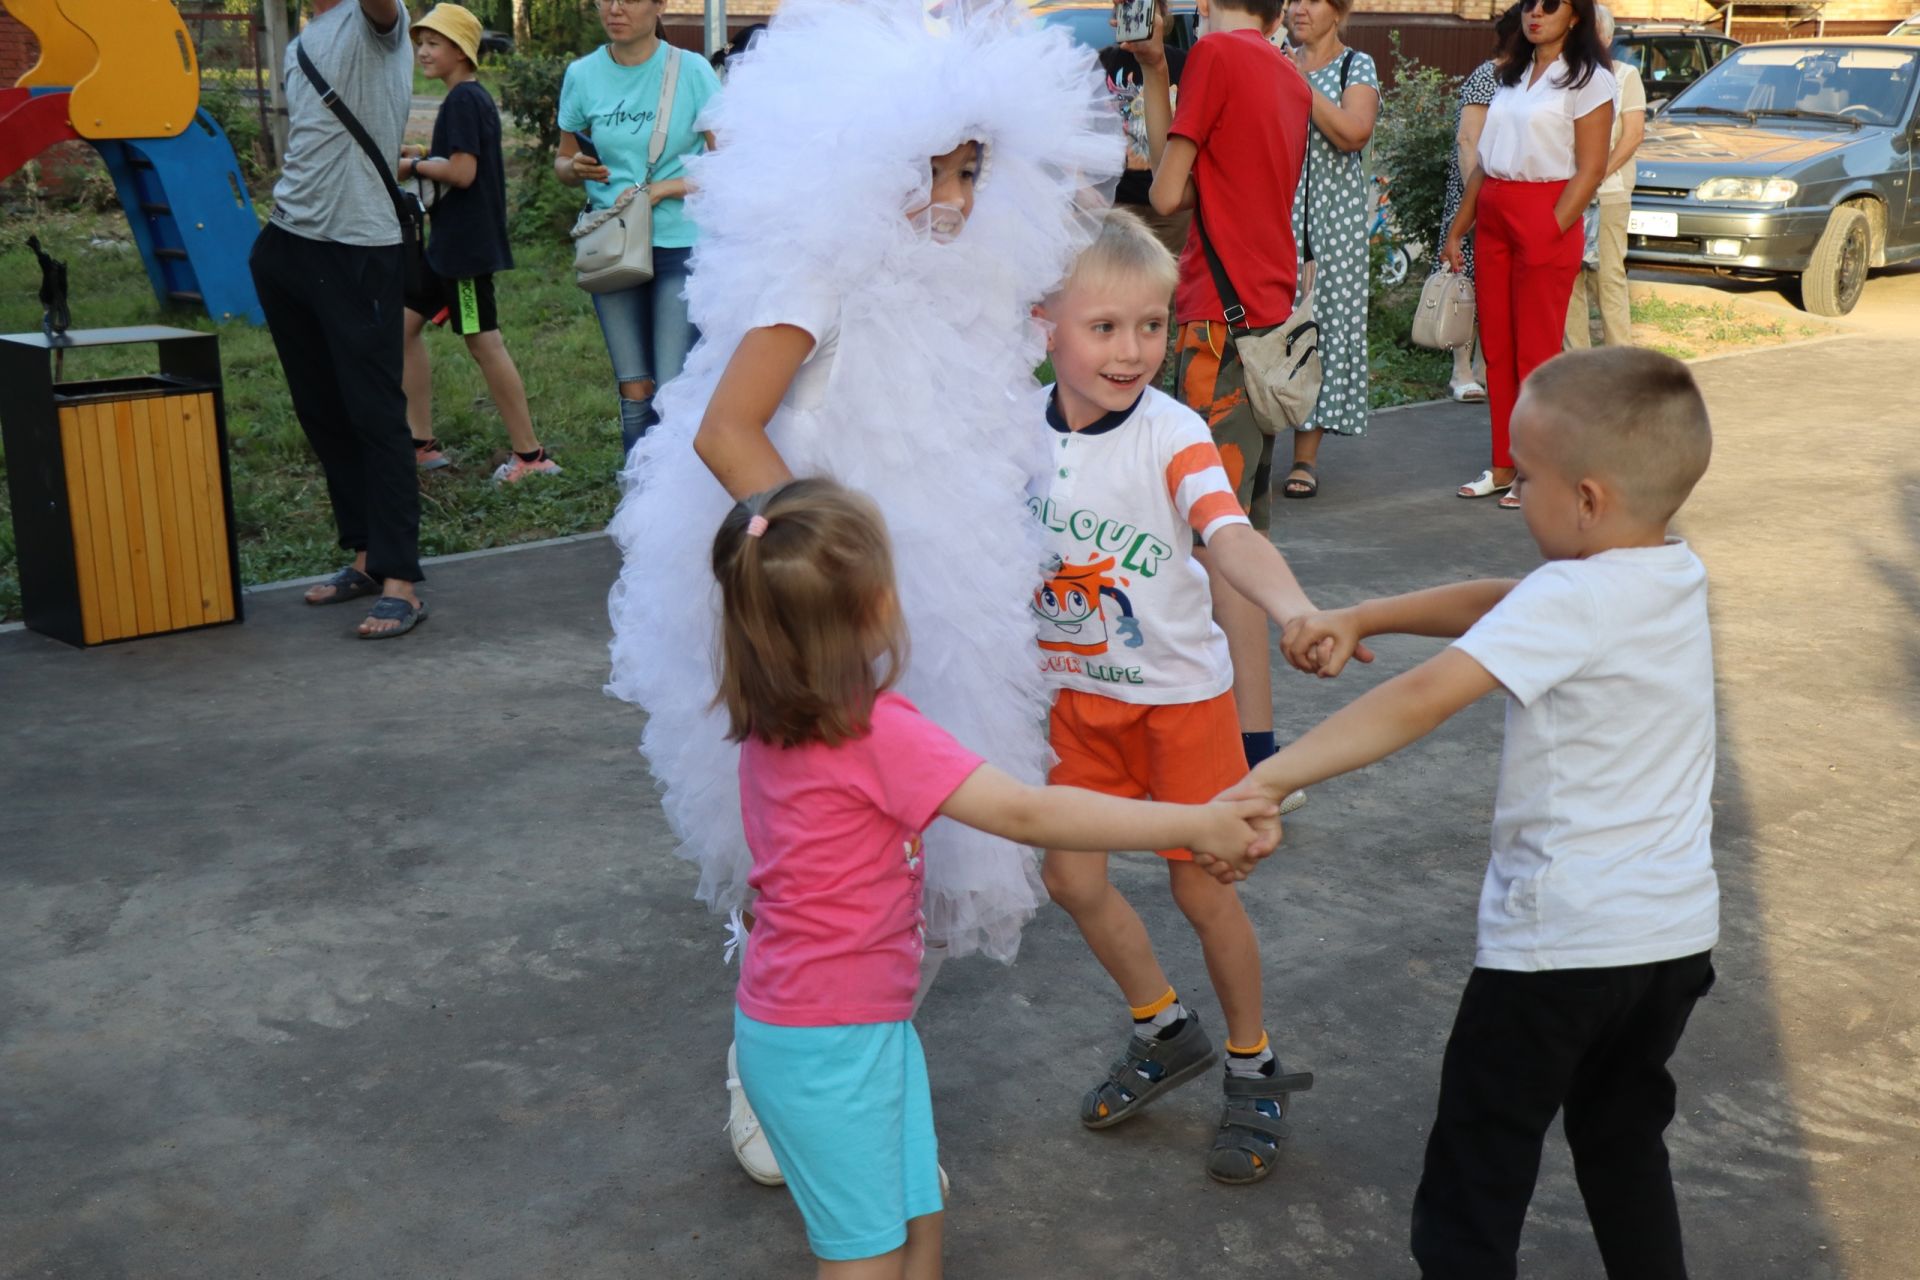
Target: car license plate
1649,222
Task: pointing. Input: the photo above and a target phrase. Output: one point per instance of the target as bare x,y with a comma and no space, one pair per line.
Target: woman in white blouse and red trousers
1543,153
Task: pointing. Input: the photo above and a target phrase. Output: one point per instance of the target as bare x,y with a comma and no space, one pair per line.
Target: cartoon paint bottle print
1071,606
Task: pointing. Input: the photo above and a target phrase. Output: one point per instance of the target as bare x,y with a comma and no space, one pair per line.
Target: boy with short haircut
1143,703
468,245
1233,153
1600,907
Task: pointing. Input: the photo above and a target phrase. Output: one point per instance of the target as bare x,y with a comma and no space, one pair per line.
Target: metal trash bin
122,501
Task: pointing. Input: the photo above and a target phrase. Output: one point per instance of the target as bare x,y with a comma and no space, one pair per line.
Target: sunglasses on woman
1547,8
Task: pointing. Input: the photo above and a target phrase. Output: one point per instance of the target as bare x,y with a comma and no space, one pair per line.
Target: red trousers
1524,267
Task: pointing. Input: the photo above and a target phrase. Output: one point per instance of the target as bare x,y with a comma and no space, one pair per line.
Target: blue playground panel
191,217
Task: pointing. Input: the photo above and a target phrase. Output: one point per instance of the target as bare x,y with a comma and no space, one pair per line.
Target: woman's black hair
1583,50
1505,27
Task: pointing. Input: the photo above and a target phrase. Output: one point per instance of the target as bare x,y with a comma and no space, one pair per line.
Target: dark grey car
1796,158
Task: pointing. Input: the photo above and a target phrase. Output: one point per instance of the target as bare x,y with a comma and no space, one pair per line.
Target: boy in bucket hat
468,245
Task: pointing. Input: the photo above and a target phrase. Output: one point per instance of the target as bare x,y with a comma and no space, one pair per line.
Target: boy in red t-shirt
1234,151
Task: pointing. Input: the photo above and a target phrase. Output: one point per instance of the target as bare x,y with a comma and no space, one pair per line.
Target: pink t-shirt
835,838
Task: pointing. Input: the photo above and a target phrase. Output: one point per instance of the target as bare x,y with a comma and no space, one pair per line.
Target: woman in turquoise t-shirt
612,95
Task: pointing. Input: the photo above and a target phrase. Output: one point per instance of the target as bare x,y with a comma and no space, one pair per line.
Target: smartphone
587,148
1132,20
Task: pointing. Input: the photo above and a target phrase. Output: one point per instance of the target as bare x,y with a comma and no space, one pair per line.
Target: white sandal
1467,392
1484,487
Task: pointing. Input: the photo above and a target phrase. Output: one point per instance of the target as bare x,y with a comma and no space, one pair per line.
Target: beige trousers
1607,285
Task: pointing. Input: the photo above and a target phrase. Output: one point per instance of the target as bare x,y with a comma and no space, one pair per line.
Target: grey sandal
1148,1069
394,609
348,584
1249,1138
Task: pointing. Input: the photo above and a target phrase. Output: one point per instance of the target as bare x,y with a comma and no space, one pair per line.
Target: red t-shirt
1248,110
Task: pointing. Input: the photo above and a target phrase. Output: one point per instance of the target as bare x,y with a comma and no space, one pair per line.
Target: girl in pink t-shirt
838,777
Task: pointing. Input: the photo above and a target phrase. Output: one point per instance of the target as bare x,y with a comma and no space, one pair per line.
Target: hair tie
756,525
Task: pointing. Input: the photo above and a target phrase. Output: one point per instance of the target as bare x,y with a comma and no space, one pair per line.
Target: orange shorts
1186,753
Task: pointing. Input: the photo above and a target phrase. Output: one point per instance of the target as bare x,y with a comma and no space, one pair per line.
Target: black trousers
1594,1042
335,314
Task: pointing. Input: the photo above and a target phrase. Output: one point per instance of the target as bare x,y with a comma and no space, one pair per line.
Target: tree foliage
1412,141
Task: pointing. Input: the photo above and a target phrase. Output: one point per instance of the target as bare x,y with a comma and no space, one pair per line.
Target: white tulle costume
914,393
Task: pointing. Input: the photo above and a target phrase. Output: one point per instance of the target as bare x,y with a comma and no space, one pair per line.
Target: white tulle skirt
824,131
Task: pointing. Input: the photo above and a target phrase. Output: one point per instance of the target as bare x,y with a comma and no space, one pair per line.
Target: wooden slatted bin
123,509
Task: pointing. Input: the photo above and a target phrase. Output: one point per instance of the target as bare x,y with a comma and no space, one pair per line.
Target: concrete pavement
333,959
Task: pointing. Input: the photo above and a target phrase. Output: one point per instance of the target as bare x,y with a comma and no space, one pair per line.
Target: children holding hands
839,776
1600,907
1143,681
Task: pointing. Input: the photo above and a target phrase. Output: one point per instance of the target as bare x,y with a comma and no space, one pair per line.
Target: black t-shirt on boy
470,223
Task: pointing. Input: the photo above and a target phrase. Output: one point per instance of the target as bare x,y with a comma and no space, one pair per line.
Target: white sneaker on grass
743,1130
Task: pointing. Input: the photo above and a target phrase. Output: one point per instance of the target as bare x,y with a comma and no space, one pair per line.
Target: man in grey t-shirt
329,271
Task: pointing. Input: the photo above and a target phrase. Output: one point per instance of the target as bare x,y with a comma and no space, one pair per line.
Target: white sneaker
743,1129
1292,802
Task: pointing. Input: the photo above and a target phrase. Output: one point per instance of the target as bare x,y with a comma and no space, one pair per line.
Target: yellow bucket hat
456,24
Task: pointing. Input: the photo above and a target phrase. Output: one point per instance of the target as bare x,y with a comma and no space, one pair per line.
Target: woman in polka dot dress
1330,209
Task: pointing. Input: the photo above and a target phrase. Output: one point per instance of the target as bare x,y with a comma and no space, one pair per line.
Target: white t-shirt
1126,613
1602,826
813,306
1528,136
1632,96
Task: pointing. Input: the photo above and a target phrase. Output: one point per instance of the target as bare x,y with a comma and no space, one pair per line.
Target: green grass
284,523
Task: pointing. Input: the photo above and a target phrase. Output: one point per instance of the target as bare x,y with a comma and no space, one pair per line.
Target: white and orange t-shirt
1124,610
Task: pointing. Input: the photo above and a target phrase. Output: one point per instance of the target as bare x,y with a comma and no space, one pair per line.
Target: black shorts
464,306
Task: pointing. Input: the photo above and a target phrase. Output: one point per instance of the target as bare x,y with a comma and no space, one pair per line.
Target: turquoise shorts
849,1115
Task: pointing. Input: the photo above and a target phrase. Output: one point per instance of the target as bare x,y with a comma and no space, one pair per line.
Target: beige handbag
613,247
1280,363
1444,319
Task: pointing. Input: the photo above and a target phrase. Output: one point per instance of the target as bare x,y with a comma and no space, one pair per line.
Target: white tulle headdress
827,123
922,400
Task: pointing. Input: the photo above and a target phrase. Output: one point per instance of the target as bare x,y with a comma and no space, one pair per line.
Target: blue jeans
648,335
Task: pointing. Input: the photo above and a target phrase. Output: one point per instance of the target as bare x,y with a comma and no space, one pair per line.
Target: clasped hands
1319,644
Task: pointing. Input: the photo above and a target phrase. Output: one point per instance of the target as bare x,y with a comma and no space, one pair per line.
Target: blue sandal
394,609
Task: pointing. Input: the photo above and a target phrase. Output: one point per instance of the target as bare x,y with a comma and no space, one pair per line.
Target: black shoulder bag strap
358,132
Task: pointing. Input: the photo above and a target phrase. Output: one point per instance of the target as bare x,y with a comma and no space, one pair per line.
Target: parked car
1910,29
1088,20
1800,158
1670,55
495,42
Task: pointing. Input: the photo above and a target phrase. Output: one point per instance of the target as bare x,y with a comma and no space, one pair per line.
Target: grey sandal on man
1244,1149
1148,1069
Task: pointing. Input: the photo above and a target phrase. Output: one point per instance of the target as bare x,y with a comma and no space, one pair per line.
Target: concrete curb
455,558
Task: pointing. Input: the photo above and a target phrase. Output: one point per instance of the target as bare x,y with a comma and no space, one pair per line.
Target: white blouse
1528,136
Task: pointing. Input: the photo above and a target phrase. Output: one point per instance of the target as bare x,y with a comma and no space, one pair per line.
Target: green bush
1412,141
529,91
238,116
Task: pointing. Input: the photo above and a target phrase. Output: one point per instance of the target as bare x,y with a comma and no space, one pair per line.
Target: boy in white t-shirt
1143,703
1600,906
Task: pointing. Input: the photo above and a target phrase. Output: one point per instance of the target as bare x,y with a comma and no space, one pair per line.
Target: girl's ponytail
808,614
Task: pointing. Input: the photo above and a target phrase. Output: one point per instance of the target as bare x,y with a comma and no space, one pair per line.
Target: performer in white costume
889,197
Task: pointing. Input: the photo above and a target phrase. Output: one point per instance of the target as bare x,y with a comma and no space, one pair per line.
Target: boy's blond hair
1630,417
1125,249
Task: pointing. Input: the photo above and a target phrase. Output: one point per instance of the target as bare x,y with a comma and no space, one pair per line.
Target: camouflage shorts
1209,381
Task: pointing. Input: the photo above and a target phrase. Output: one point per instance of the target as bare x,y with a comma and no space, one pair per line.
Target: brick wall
18,49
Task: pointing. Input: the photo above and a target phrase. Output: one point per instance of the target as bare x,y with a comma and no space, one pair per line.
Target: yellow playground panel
66,54
131,65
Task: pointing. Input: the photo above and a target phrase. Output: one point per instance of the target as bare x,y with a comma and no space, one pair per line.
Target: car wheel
1837,273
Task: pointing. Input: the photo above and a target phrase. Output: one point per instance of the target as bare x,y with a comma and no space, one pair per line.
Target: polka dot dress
1476,90
1339,215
